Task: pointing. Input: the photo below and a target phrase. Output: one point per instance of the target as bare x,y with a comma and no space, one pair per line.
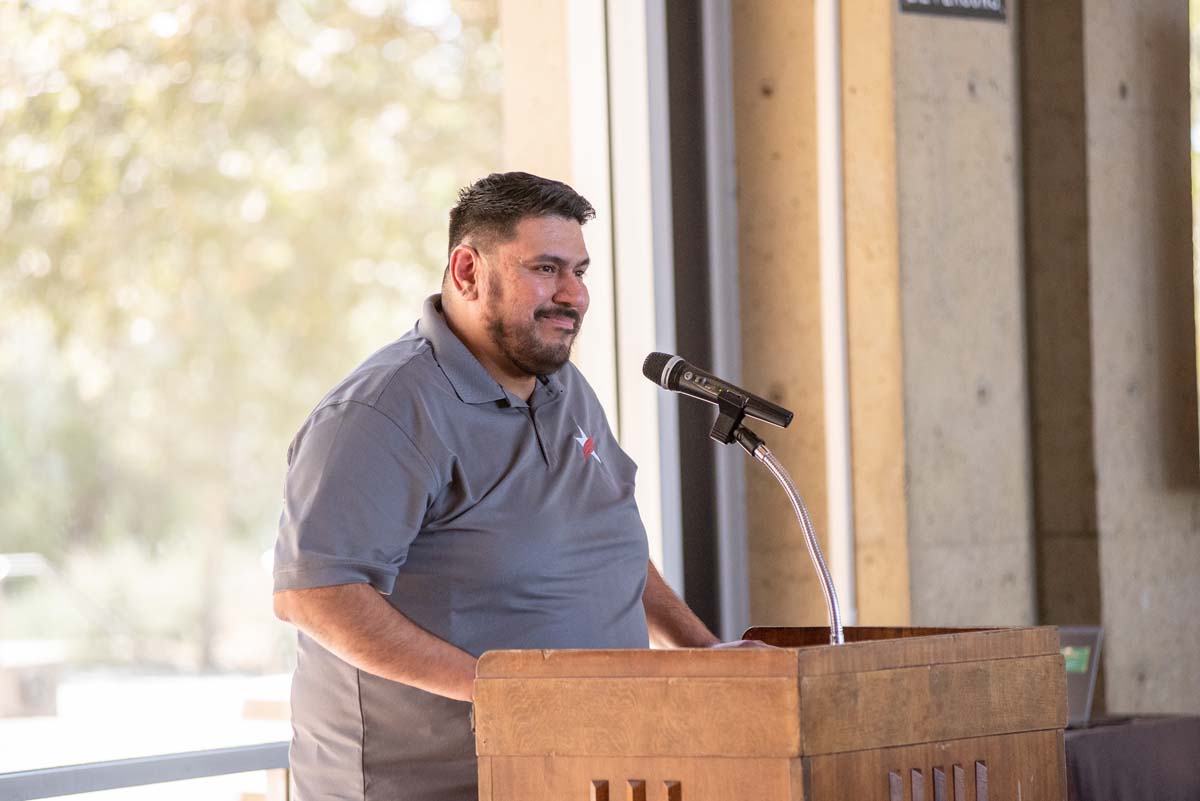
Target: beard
521,343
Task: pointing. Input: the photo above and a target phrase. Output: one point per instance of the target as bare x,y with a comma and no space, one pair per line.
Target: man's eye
546,268
581,274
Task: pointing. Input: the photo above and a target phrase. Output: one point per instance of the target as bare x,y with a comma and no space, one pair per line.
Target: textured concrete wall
774,100
1143,345
962,301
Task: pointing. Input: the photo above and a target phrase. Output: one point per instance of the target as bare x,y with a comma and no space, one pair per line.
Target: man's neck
477,341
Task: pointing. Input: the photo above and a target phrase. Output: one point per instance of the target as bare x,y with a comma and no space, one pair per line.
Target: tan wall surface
1143,366
779,283
873,314
962,296
536,113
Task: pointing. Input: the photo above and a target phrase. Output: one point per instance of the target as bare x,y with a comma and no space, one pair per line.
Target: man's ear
464,269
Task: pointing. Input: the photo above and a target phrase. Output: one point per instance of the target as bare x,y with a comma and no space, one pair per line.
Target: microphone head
655,368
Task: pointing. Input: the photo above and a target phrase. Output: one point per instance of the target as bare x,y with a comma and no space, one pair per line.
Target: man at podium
458,492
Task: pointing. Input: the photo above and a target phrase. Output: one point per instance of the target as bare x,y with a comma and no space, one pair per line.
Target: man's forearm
672,624
356,624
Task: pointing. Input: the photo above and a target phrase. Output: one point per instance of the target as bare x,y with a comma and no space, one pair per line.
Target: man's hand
744,644
355,623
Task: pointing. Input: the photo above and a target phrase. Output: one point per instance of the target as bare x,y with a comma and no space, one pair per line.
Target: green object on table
1077,657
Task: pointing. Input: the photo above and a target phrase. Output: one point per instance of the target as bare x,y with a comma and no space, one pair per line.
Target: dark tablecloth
1154,758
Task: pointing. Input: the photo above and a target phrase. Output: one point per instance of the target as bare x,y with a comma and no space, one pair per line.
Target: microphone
673,373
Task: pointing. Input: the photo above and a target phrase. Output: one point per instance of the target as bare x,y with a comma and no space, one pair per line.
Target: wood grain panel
690,779
1027,766
847,712
697,662
663,716
485,779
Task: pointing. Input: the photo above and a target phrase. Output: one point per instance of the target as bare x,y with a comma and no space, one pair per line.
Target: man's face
533,294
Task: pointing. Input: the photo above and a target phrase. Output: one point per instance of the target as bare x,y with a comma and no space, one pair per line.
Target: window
209,212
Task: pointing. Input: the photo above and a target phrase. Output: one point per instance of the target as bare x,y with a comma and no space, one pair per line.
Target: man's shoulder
398,373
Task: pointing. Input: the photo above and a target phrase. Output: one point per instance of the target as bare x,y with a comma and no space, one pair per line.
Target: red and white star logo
588,444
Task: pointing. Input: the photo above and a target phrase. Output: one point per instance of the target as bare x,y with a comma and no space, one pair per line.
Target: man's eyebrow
558,260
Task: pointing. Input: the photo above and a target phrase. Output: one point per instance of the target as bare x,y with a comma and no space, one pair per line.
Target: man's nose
571,291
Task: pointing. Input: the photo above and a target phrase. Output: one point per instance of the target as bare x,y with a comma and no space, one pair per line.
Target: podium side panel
1027,766
906,706
485,779
654,778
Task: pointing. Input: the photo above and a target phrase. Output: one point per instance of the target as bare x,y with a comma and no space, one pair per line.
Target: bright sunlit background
209,212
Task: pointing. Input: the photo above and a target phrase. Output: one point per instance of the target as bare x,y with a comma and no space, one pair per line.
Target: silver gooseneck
762,454
732,404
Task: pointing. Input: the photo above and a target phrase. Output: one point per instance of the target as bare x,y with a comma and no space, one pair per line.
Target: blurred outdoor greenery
209,212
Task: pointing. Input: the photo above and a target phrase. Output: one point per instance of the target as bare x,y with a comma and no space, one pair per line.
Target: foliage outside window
209,211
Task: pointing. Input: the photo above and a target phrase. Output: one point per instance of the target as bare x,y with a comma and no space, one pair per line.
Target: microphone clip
731,411
728,428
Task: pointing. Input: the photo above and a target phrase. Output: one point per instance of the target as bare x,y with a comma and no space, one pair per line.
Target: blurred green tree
208,212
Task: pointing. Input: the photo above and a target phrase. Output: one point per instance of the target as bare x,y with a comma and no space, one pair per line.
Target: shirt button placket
537,433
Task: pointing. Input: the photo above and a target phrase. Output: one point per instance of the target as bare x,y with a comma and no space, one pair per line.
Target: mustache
558,311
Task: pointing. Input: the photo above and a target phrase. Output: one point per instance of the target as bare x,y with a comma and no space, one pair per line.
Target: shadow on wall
1170,256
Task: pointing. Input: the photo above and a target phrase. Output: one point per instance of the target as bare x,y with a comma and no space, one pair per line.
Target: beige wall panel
537,115
966,405
873,314
1143,333
774,100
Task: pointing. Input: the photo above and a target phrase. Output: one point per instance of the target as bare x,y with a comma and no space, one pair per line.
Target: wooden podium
892,715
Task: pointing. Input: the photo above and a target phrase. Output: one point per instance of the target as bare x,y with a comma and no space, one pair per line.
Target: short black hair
491,208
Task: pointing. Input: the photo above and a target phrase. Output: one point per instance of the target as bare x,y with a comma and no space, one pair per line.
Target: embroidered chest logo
588,445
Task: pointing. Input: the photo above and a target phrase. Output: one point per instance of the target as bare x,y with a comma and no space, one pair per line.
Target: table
1146,758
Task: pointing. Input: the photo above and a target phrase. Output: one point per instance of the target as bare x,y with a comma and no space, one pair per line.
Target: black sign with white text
985,9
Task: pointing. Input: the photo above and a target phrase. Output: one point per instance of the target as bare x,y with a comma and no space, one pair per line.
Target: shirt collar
472,383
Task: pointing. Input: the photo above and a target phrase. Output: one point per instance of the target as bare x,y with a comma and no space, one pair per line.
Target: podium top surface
799,652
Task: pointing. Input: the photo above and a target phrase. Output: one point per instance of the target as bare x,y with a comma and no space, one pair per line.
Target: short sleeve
357,491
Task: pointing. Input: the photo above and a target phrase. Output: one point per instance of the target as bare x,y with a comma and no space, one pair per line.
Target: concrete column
962,307
1143,351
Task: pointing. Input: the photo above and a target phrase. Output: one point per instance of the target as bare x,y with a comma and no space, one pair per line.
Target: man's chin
545,361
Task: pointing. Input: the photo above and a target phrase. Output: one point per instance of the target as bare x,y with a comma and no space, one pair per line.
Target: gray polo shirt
489,521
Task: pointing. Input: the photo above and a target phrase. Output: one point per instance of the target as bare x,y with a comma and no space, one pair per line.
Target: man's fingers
743,644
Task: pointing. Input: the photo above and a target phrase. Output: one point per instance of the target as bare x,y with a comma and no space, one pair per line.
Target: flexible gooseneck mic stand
728,428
